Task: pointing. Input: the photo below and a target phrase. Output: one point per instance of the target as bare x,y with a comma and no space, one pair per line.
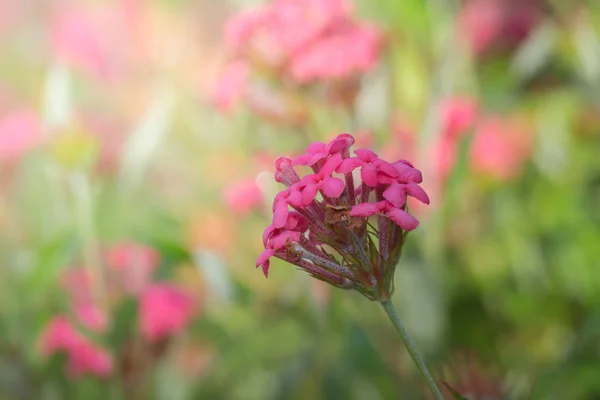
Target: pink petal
333,187
368,174
386,168
330,165
340,143
348,165
303,159
395,194
280,214
403,219
364,210
366,155
264,258
280,241
407,173
309,193
267,234
417,192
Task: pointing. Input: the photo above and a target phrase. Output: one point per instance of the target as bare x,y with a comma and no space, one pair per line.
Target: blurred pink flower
487,23
243,197
83,356
134,264
308,40
20,130
59,335
229,88
165,310
86,357
350,50
91,316
93,39
499,147
457,115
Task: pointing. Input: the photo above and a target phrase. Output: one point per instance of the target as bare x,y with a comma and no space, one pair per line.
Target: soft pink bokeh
133,264
165,310
84,357
243,197
20,131
500,147
229,88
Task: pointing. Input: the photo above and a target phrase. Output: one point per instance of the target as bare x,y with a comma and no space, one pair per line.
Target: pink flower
83,356
329,236
165,310
349,52
243,197
457,115
88,358
229,89
20,131
91,316
499,148
59,335
134,263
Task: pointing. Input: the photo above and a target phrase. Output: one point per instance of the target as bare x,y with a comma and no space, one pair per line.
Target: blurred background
137,141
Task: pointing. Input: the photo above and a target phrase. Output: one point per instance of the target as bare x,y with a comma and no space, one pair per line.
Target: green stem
410,346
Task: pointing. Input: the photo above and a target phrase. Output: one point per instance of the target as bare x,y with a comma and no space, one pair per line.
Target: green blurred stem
410,346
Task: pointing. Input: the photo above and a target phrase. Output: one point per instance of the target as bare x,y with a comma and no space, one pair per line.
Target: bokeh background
137,141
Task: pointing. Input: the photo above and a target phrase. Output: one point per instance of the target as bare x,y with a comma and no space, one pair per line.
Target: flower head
321,221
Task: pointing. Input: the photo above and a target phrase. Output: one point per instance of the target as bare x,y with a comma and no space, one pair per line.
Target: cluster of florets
321,222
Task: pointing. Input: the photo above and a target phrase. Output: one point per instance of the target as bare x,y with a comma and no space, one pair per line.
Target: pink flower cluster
164,309
83,356
330,212
302,40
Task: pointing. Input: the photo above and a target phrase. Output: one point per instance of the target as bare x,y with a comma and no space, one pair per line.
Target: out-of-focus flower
330,215
92,40
91,316
499,148
165,310
457,115
83,356
133,264
485,24
298,43
229,89
20,131
243,197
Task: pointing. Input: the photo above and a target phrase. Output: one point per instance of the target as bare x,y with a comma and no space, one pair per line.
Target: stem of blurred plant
410,346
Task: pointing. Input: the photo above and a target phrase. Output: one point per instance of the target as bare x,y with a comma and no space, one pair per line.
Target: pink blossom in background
134,264
307,40
499,147
58,335
91,316
78,284
487,23
457,115
83,356
348,51
229,88
88,358
165,310
243,197
93,39
20,131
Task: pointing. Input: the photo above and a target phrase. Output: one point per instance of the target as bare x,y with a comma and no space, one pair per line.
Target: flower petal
403,219
263,260
349,165
364,210
309,193
333,187
395,194
280,213
340,143
417,192
267,234
368,173
330,165
366,155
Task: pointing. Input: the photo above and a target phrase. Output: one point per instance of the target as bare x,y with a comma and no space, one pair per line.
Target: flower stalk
412,349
